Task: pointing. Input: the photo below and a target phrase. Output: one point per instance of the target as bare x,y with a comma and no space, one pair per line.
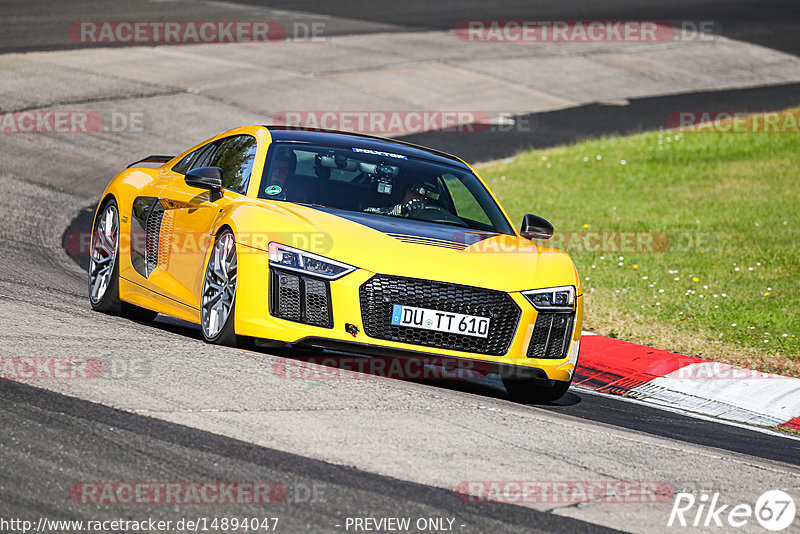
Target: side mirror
206,178
534,227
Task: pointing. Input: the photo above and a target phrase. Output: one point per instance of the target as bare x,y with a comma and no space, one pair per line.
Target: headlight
552,298
293,259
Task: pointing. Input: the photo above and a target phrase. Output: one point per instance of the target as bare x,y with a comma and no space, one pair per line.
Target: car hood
417,249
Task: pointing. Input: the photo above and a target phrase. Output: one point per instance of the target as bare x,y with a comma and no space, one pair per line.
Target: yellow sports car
343,242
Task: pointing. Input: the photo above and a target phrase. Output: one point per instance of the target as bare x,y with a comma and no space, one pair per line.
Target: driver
415,199
282,183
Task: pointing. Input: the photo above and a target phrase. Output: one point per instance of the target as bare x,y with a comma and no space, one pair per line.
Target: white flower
736,269
652,285
660,290
785,335
701,296
621,258
623,162
621,264
602,257
658,304
544,158
715,295
749,268
587,278
586,158
677,279
733,324
724,295
599,157
644,277
716,306
549,165
594,266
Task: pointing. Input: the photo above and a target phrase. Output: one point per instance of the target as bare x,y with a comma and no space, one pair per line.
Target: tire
104,268
218,297
532,391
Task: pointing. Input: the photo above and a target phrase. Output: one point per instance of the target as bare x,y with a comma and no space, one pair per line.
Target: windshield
380,183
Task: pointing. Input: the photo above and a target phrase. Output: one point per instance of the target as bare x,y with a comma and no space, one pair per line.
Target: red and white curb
688,384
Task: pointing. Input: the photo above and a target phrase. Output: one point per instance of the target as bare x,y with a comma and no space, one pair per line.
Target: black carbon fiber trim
152,235
551,335
380,292
299,298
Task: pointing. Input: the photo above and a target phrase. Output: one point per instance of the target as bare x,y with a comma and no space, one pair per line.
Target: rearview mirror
206,178
534,227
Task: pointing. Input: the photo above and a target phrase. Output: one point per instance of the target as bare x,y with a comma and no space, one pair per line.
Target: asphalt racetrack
177,409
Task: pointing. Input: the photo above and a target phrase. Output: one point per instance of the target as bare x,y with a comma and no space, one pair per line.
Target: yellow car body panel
506,263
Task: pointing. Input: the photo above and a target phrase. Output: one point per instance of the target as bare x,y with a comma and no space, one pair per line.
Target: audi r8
339,242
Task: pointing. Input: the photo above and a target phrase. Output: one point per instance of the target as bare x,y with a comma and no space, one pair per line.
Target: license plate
453,323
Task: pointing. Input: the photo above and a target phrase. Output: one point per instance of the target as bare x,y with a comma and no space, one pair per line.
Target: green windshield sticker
273,190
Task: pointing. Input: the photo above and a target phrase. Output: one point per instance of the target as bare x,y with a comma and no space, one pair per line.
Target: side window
195,159
235,157
466,205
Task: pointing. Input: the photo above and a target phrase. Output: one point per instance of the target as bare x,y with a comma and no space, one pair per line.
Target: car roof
349,139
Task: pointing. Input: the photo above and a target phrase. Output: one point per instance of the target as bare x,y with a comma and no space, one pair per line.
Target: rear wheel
529,390
218,299
104,268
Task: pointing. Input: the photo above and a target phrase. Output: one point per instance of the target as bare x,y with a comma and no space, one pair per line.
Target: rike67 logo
774,510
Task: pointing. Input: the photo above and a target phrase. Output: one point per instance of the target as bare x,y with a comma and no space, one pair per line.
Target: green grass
730,205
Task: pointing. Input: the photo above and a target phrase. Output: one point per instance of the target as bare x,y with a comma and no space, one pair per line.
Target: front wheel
531,391
218,300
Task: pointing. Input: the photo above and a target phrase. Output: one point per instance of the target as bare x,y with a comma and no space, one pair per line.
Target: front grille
300,298
380,292
551,335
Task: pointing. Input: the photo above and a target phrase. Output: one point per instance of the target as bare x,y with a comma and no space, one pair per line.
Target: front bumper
254,319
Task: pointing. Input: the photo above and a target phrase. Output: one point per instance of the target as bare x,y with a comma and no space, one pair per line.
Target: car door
190,214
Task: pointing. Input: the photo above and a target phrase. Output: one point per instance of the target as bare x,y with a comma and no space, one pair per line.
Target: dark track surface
68,440
42,24
567,126
771,23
